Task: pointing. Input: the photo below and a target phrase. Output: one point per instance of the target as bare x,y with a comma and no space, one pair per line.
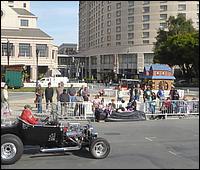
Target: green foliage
178,45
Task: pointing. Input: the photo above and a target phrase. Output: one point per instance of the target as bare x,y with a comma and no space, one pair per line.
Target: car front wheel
99,148
11,149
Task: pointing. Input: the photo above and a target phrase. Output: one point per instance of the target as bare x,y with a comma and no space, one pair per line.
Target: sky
59,19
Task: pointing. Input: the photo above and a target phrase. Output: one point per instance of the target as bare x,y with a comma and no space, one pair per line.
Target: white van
53,80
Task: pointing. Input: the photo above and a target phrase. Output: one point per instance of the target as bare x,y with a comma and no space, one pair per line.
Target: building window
146,18
197,7
102,32
108,44
148,58
108,23
108,38
101,25
108,15
183,14
118,5
130,35
163,16
145,41
163,1
24,22
145,26
130,42
118,13
93,60
145,34
43,50
181,7
163,8
24,50
53,54
108,8
118,36
109,30
4,49
146,9
163,25
118,29
118,21
130,20
118,43
130,27
131,11
24,4
146,2
130,3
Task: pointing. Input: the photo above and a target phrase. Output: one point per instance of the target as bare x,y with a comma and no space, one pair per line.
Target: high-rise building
118,36
20,38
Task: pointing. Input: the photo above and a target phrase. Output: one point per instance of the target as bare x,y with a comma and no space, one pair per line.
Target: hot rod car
53,136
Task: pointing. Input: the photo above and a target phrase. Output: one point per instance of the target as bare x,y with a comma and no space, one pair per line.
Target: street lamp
82,65
37,53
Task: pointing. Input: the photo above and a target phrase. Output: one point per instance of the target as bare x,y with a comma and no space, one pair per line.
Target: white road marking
148,139
172,152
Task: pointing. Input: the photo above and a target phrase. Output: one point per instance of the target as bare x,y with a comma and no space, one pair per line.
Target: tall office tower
118,36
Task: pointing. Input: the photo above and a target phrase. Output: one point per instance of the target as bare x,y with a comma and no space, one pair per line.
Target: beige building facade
19,28
118,36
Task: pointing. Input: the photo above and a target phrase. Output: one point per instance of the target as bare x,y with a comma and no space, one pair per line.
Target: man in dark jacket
64,99
48,94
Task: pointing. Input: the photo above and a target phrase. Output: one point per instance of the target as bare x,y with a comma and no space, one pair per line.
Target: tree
178,45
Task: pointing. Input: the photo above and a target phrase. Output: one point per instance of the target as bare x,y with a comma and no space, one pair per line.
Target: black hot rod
59,136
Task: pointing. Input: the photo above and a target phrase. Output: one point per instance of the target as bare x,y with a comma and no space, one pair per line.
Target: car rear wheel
99,148
11,149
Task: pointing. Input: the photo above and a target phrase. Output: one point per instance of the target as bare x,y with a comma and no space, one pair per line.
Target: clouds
59,19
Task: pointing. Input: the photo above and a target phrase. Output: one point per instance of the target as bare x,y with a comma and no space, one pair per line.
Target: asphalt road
160,144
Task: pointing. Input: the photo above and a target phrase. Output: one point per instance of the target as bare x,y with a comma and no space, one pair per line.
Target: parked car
54,136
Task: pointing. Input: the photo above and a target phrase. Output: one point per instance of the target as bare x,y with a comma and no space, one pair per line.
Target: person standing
59,91
39,96
174,95
71,92
148,97
131,92
85,94
161,95
48,94
4,96
4,101
147,94
64,99
137,92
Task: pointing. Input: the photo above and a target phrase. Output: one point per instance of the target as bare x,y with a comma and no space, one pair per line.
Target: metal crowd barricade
68,110
73,110
173,108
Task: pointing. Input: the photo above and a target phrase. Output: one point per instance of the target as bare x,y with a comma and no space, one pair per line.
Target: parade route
161,144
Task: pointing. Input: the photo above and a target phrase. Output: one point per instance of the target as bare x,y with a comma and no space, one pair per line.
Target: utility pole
37,53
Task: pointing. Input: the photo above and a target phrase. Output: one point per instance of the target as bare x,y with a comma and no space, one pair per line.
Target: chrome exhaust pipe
50,150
